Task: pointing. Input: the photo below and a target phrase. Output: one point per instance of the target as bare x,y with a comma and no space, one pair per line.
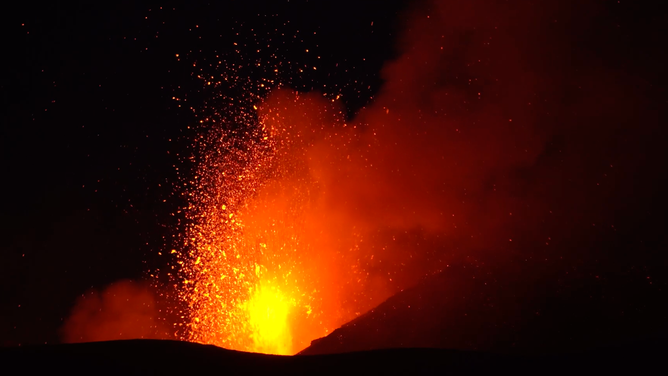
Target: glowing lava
269,259
268,312
252,278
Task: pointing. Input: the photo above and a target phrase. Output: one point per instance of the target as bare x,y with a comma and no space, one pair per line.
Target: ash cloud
123,310
505,131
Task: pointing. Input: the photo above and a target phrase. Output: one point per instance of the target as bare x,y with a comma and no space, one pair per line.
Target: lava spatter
244,267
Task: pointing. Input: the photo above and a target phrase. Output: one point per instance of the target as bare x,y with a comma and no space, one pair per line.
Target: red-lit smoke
497,132
123,310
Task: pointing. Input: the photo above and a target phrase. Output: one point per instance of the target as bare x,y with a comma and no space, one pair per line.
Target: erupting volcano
374,187
251,277
301,217
263,252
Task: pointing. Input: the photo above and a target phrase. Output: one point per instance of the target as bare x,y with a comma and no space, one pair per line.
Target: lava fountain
257,266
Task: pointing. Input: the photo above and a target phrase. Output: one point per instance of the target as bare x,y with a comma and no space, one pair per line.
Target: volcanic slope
473,308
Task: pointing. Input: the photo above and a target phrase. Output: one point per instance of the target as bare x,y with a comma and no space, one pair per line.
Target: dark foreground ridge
146,357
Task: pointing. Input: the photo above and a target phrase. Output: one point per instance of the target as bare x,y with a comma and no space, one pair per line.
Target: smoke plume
501,134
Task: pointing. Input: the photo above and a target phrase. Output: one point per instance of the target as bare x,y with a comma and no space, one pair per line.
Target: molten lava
257,266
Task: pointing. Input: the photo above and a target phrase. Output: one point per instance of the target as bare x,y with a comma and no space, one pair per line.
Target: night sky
90,135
